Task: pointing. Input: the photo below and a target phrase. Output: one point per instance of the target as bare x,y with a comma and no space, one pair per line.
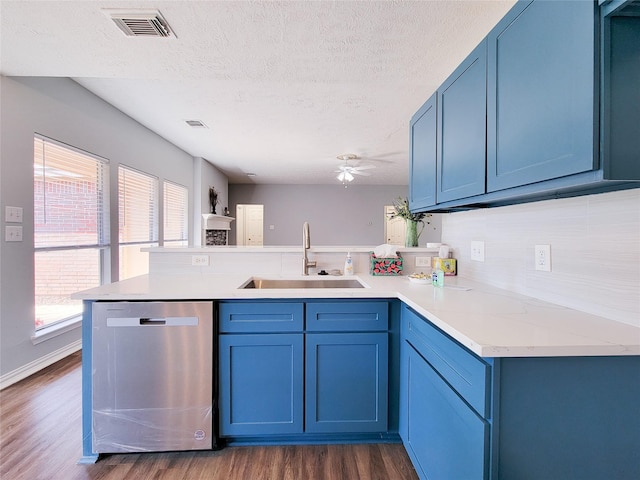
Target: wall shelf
216,222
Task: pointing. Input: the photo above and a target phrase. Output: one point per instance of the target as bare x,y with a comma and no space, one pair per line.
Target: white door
249,228
394,228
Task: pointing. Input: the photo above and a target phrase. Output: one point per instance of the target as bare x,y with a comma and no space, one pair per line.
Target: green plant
402,210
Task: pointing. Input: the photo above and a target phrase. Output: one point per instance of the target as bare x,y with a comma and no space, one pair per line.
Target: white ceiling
283,86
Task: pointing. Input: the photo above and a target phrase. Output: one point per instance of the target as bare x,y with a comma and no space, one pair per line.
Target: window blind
70,188
176,211
138,207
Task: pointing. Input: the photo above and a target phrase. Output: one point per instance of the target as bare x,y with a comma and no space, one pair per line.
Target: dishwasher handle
152,321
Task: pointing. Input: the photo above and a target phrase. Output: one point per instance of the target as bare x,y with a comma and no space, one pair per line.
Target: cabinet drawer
467,373
347,316
253,317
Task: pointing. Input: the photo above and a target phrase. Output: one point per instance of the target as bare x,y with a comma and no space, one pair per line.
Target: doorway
394,228
249,225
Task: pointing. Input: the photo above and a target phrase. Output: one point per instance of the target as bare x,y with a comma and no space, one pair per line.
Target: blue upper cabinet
462,129
541,114
621,76
547,106
422,173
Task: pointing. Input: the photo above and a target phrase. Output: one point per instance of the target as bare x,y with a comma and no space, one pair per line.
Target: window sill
47,333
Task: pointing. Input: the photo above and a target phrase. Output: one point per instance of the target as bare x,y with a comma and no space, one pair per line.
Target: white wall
595,251
336,215
60,109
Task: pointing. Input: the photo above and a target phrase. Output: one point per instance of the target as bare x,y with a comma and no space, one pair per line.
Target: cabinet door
541,89
462,129
347,382
261,384
444,437
422,167
621,95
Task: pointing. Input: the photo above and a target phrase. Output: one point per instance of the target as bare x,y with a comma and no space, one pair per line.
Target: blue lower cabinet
347,382
444,437
466,417
261,384
326,371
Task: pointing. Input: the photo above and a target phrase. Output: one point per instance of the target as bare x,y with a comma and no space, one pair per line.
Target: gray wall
206,175
63,110
337,215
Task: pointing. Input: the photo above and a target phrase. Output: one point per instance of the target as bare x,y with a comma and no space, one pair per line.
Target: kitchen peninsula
481,382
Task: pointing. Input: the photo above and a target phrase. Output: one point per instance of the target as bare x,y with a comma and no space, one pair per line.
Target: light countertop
489,321
227,249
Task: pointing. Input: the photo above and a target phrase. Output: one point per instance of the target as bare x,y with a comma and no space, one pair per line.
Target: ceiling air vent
142,23
195,123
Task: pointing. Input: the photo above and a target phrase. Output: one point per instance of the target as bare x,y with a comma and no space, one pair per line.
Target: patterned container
385,266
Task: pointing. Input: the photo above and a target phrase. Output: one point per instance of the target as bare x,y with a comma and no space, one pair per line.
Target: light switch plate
13,214
13,233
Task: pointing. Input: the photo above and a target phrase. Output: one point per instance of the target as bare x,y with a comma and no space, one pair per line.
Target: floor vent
142,23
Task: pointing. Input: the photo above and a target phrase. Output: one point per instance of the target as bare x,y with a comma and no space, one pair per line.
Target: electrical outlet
423,261
543,257
200,260
477,251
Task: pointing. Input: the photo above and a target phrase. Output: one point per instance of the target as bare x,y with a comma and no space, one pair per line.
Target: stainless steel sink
262,283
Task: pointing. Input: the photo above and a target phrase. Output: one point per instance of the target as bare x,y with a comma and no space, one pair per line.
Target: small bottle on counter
348,265
437,277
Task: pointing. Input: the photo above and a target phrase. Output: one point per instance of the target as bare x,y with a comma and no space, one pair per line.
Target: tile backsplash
595,251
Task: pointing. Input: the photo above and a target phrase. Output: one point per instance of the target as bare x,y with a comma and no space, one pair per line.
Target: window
176,211
138,220
70,227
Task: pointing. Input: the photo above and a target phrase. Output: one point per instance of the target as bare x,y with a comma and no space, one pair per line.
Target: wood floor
40,439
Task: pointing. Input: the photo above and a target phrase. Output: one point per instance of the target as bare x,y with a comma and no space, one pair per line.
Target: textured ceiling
283,86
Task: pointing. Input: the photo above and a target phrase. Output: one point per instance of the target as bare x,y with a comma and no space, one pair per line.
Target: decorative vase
412,234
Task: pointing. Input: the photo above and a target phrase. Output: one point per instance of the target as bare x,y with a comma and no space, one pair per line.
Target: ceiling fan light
342,176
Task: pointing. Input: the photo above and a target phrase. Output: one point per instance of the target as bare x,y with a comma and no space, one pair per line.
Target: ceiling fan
346,172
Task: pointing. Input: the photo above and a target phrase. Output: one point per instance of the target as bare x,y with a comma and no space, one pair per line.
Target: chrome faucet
306,245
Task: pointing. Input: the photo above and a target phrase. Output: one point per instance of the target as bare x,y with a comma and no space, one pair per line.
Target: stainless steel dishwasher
153,385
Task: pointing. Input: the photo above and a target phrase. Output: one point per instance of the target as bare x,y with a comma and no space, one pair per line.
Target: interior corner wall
595,251
207,175
61,109
336,215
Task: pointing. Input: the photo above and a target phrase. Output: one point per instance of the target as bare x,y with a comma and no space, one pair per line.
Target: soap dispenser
348,265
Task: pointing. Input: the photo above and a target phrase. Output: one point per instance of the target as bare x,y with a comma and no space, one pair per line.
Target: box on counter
385,266
447,265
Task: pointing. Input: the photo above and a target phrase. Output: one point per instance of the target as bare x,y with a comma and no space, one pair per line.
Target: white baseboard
38,364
